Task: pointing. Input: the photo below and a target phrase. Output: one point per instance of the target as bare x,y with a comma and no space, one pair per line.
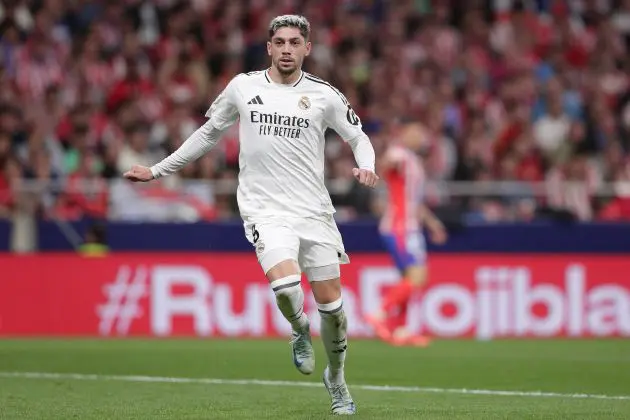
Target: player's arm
365,157
436,228
341,117
390,161
221,114
195,146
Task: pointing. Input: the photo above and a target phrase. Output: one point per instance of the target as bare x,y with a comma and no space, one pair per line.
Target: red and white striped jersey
405,183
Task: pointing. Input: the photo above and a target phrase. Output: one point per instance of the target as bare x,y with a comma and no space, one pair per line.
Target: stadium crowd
505,90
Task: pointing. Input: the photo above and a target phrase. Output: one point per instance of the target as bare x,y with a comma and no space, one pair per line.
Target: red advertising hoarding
477,296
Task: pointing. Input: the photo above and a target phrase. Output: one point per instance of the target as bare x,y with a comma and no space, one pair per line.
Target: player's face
287,49
414,137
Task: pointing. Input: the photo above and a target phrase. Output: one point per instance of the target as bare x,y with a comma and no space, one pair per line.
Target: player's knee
325,283
416,275
333,311
287,286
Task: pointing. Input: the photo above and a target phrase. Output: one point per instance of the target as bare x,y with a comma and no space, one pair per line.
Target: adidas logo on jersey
255,101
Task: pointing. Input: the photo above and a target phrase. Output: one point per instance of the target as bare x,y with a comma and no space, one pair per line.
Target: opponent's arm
436,228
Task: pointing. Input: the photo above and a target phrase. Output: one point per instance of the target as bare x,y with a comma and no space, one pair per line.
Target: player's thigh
320,242
321,253
320,263
277,247
408,250
396,249
326,291
416,251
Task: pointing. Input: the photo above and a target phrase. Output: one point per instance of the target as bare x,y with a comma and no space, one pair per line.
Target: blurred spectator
551,131
536,93
95,244
86,193
571,186
619,207
136,150
9,183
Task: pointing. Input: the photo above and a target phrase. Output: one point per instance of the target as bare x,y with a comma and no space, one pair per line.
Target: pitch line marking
262,382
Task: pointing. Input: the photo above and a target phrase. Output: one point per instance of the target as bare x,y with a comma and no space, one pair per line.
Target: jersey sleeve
224,110
341,117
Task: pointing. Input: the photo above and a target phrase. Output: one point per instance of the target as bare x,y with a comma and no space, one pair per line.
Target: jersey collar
280,84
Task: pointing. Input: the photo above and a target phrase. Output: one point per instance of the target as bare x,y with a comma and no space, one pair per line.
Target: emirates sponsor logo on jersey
278,125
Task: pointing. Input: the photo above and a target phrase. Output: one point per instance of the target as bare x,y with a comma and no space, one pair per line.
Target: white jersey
282,141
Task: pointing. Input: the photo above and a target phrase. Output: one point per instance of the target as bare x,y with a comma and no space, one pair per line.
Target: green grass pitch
211,379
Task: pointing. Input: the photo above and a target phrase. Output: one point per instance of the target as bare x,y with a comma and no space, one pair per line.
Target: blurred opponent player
401,231
286,209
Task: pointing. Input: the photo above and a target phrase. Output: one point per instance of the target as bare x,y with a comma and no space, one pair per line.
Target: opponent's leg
397,318
399,297
409,256
326,288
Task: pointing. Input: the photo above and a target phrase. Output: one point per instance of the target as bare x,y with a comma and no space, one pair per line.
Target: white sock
333,330
290,300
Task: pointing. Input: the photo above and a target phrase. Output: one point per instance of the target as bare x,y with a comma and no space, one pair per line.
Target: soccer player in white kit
282,198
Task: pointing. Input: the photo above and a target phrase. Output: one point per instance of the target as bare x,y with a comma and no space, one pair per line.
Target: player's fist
365,177
139,174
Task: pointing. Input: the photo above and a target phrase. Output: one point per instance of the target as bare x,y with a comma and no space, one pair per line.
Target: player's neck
282,79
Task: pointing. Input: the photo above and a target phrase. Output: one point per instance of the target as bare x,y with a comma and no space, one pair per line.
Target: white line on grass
261,382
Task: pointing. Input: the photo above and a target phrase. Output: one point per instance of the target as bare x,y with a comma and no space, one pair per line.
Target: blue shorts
407,250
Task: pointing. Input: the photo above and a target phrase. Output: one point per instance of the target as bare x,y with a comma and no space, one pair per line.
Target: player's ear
308,47
268,48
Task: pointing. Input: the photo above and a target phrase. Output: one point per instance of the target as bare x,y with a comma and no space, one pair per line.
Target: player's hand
365,177
438,235
139,174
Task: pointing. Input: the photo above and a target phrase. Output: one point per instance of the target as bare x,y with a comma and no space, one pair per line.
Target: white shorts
311,241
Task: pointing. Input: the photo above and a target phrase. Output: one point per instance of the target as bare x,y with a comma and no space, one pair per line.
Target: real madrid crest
304,102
